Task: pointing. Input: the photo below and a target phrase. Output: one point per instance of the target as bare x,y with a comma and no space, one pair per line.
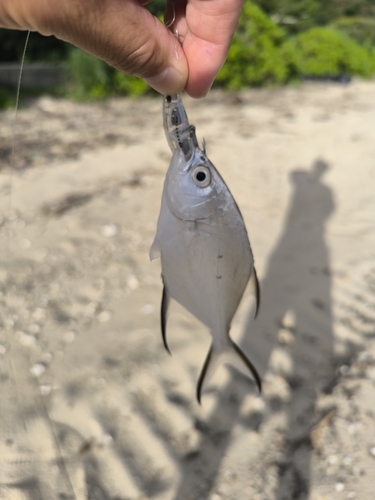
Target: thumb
121,32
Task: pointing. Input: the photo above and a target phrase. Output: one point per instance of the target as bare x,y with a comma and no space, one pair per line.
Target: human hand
125,35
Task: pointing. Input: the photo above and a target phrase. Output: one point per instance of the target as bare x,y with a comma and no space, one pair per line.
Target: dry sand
91,405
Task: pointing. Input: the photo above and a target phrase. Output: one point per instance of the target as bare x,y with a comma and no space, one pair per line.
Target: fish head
194,190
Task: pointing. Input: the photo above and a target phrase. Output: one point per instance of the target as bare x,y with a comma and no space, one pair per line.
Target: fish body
202,241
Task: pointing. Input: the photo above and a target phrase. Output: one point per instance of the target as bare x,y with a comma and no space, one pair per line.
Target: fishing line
169,24
14,134
12,166
7,260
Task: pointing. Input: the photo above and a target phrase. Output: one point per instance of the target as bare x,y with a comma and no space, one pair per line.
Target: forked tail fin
234,355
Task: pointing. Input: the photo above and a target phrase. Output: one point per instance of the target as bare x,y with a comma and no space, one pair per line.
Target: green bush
322,52
88,75
297,16
254,56
130,85
262,54
91,78
7,98
361,29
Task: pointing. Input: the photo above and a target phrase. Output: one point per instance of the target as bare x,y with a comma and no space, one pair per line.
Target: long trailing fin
235,356
257,292
203,375
165,299
249,365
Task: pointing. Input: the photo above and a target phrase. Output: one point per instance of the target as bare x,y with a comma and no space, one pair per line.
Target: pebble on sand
109,230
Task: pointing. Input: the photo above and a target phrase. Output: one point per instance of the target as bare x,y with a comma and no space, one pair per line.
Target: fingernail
169,81
200,89
201,94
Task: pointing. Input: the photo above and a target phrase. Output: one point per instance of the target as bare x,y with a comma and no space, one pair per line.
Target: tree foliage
91,78
360,29
324,52
262,53
254,56
300,15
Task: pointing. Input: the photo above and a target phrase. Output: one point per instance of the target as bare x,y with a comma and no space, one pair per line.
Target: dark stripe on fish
163,316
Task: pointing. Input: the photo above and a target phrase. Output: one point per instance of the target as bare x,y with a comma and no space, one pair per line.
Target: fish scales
202,241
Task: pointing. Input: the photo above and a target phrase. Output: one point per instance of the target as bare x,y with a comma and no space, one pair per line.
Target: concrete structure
33,75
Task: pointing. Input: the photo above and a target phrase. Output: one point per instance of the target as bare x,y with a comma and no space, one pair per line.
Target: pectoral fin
233,354
165,299
155,249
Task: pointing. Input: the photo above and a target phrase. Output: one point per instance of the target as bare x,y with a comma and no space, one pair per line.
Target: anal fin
165,299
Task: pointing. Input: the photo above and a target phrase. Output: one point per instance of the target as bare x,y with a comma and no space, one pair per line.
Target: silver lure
201,238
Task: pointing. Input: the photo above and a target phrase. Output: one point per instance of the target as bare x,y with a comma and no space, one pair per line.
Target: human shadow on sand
297,280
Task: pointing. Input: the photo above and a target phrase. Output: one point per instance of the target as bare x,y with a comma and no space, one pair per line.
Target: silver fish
202,241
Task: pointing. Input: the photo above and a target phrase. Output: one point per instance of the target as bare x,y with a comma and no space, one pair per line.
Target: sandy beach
92,407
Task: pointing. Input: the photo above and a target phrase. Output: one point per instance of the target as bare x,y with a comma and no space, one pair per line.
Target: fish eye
201,176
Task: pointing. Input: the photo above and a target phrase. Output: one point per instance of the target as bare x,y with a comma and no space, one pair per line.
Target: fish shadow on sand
297,279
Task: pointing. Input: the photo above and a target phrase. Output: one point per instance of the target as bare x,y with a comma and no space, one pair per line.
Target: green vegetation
264,53
91,78
276,42
255,54
7,99
323,52
300,15
88,76
130,85
360,29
